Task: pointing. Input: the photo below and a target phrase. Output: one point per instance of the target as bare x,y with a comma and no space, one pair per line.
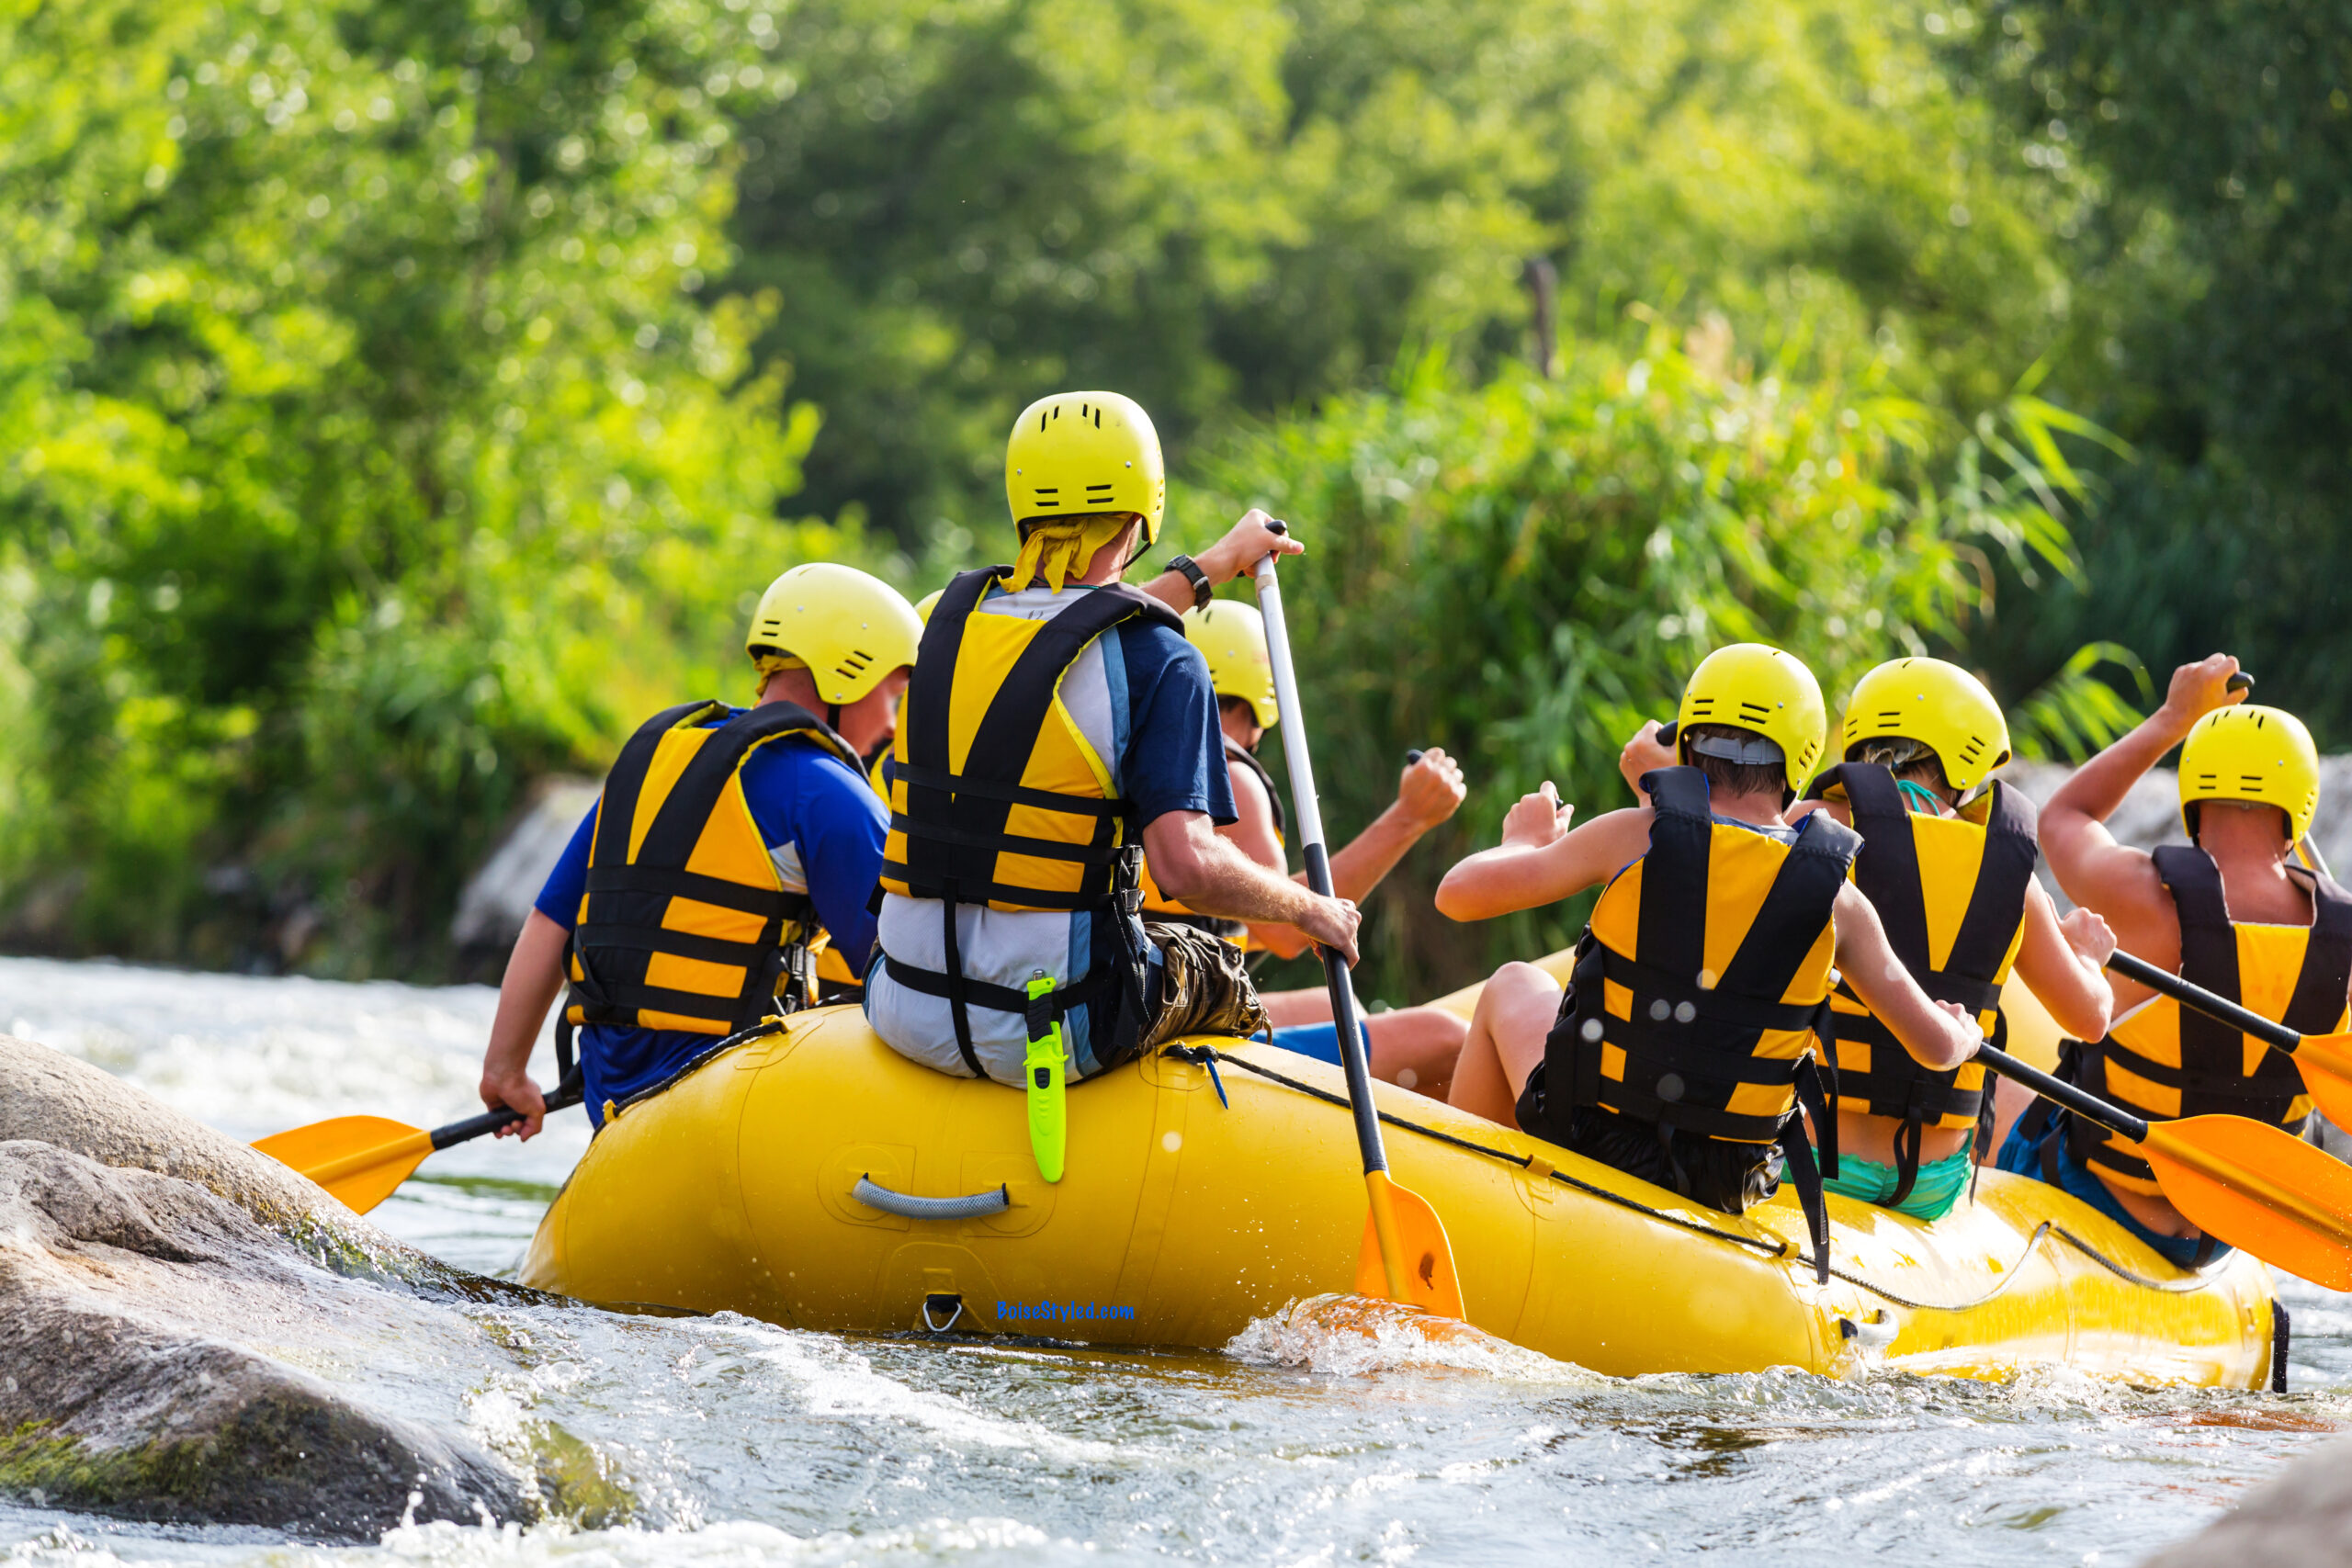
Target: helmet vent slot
1757,711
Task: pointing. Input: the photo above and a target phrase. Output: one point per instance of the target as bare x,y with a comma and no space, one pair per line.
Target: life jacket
1701,984
2163,1061
1160,906
684,925
1950,892
997,797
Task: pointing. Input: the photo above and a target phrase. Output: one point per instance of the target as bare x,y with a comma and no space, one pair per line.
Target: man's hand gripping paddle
1405,1256
362,1160
2256,1187
2324,1060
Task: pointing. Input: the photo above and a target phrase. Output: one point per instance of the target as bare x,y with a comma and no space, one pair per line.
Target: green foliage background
396,400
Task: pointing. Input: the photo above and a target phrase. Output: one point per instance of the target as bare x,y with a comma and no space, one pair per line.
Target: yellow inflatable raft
816,1178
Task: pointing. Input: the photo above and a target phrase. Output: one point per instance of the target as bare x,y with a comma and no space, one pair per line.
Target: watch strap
1202,592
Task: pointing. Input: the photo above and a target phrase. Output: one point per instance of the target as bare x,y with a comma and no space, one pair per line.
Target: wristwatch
1202,592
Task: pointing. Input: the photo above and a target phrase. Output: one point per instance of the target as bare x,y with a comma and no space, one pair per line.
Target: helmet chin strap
833,716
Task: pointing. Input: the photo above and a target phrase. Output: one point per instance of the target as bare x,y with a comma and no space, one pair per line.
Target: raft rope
1209,1056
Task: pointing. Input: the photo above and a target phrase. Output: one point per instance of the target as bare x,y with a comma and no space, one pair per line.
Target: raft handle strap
908,1206
1205,1057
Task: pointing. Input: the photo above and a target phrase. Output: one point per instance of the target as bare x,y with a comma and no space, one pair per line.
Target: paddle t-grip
2241,681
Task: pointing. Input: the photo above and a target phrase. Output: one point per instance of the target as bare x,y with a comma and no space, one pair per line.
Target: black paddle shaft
2198,999
491,1121
2089,1107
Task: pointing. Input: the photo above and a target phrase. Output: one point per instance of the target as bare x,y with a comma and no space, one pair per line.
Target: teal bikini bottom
1931,1198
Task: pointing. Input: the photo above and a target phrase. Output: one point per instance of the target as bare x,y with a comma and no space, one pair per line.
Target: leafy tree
2196,158
1524,572
367,443
1227,206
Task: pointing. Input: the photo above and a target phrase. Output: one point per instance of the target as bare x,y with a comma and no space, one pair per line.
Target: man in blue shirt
784,835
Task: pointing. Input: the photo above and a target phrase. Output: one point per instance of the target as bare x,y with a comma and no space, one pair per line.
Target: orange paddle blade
2327,1063
360,1159
1428,1257
2260,1189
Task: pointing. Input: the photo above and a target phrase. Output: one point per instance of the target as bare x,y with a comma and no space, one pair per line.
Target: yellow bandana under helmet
1058,548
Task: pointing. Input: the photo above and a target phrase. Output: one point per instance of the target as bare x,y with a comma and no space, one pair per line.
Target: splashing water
1337,1430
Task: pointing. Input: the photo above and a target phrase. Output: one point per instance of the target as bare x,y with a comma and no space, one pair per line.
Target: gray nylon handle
905,1204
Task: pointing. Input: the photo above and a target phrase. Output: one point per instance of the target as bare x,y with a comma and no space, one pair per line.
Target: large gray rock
191,1333
495,901
2150,815
2301,1518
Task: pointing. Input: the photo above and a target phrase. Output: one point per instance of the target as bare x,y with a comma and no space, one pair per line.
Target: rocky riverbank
190,1333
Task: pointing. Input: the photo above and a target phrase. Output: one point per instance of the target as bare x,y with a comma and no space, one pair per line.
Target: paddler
1414,1047
726,843
1949,867
2230,910
1059,729
1681,1050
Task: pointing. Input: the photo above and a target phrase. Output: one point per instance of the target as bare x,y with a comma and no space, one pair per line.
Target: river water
727,1442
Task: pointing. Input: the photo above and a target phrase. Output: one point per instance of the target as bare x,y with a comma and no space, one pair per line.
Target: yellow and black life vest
1160,906
1702,985
2163,1061
996,796
684,925
1950,892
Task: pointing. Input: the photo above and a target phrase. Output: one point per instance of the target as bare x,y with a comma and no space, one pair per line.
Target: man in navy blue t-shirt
796,832
1051,698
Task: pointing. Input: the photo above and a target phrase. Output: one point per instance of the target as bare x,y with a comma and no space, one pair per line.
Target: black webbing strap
2316,1005
1805,1176
958,987
1237,752
955,823
2211,1052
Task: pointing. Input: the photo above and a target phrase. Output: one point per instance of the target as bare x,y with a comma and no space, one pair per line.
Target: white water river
731,1442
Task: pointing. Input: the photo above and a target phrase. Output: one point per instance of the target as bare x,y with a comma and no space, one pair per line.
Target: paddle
2325,1059
2256,1187
363,1159
1405,1256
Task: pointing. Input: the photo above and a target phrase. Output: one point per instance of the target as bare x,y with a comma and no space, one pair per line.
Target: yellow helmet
1750,685
2244,752
1077,453
924,605
1232,637
1941,706
848,629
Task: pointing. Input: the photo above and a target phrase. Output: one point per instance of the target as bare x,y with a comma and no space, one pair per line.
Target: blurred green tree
1230,205
1524,572
2197,158
368,444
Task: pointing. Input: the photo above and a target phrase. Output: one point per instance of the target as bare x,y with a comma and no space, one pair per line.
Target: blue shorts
2024,1156
1938,1187
1320,1040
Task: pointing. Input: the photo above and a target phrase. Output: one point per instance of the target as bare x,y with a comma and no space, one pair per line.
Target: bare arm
1431,791
2097,872
1246,544
1541,860
1940,1035
2065,960
1212,875
534,976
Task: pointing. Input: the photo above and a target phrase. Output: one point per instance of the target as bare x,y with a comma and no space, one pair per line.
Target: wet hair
1237,706
1906,759
1727,776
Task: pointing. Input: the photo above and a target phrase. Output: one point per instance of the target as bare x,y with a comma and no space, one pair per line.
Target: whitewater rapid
728,1441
